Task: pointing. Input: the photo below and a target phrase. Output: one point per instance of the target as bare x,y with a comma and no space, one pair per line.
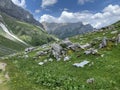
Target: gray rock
41,53
90,81
27,50
118,39
87,45
91,51
74,47
57,51
104,43
66,43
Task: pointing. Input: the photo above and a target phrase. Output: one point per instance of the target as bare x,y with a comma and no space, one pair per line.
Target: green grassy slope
25,73
31,34
8,46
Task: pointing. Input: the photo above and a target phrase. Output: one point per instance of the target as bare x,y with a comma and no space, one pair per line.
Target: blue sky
69,10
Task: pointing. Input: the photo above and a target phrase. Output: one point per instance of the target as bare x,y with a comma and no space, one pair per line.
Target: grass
26,74
8,46
61,75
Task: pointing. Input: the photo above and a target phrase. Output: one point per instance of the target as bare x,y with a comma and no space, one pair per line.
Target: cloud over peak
21,3
107,16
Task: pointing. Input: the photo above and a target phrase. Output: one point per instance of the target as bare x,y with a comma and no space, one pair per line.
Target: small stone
50,60
102,55
45,60
90,81
82,64
66,58
41,63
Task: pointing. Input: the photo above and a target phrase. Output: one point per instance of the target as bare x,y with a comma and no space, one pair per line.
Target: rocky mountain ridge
64,30
8,7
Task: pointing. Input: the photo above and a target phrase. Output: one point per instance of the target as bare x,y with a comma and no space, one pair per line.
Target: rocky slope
63,30
83,62
19,13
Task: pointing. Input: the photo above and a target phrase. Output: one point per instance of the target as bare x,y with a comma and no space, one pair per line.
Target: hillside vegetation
29,33
25,72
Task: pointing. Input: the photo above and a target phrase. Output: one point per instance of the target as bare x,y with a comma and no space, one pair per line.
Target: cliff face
17,12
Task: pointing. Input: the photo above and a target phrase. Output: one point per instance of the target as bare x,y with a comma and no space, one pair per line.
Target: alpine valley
56,56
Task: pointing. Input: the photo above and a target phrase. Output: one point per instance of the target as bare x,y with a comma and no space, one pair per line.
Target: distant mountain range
64,30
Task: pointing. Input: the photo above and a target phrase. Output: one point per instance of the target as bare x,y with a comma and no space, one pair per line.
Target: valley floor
26,74
102,73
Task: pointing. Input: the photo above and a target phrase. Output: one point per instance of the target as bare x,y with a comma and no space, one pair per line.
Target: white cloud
46,3
37,11
84,1
21,3
107,16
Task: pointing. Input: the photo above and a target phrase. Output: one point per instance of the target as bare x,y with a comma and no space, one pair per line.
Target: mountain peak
8,7
64,30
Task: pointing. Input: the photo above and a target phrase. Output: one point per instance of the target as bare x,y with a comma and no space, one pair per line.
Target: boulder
41,53
104,43
57,51
66,43
91,51
87,45
118,39
27,50
74,47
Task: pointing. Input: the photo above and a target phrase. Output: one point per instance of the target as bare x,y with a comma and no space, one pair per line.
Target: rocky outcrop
57,51
103,43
